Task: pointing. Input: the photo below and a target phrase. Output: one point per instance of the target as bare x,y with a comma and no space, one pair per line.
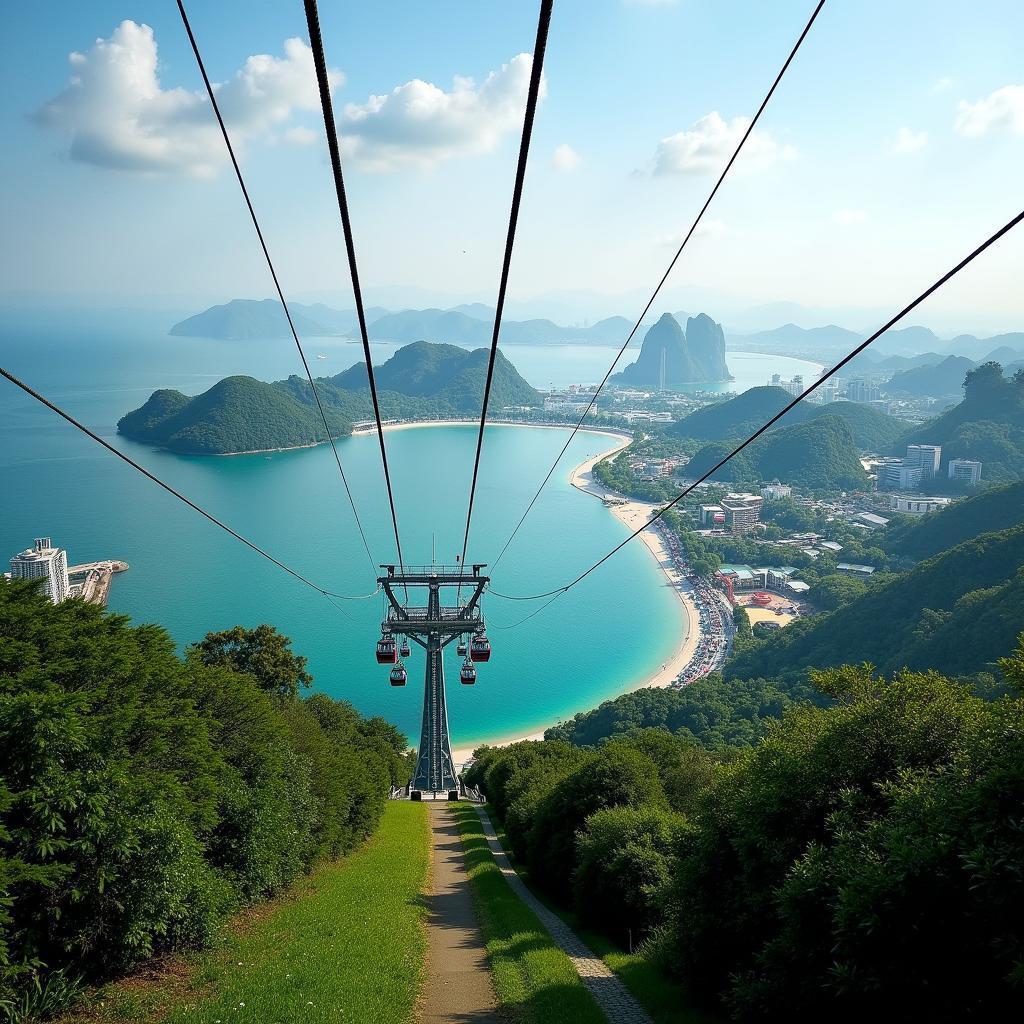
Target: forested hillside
144,796
819,455
988,425
952,611
860,862
871,430
241,414
995,508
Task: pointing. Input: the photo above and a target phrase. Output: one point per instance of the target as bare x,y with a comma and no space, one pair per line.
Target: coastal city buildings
918,506
795,387
742,511
926,456
854,569
920,464
966,470
44,561
862,391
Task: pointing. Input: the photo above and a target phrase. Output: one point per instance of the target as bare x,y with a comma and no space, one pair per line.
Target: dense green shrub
864,858
143,796
614,777
625,860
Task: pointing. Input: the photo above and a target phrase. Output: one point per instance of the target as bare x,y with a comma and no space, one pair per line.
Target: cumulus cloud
1002,109
849,217
118,114
419,124
708,143
909,141
566,158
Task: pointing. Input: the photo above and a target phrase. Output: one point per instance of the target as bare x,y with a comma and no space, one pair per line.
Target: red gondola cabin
480,648
387,651
399,675
404,651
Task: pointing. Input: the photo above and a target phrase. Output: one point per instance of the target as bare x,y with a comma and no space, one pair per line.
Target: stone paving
614,999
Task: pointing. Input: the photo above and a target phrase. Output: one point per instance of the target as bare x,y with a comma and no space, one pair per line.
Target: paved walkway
609,993
458,982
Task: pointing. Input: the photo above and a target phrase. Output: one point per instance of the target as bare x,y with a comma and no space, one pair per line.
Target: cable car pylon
433,626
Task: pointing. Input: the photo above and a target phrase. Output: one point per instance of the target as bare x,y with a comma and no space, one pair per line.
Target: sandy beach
632,514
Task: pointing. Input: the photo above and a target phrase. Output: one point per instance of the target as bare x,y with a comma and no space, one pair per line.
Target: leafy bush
625,860
143,796
865,858
614,777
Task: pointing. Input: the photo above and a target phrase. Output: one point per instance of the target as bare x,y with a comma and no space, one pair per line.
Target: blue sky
894,145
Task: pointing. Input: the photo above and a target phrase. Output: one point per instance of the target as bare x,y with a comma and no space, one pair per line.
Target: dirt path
458,979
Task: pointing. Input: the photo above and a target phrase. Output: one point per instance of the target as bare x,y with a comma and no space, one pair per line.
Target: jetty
91,580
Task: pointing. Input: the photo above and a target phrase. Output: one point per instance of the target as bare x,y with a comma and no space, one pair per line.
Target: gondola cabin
467,676
404,651
480,648
399,675
387,651
462,650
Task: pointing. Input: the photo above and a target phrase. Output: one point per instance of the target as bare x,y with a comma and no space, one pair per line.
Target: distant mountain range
469,325
242,414
242,319
670,357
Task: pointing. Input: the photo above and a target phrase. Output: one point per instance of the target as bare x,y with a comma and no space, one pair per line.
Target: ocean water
616,627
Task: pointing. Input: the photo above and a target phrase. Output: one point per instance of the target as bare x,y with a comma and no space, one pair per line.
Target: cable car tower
433,626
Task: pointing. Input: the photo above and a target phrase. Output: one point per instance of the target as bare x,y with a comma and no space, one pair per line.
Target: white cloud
849,216
118,115
419,124
1003,108
566,158
709,143
709,227
909,141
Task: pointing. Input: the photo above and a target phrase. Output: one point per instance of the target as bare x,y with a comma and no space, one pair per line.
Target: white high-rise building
967,470
925,456
44,561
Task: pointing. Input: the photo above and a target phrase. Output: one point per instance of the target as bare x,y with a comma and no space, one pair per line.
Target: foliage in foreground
144,796
345,943
863,859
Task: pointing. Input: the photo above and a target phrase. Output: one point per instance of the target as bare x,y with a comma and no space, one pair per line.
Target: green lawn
346,944
533,979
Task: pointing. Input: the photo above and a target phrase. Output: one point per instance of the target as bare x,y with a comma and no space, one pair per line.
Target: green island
241,414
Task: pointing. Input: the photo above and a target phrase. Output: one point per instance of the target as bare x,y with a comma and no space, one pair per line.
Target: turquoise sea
616,627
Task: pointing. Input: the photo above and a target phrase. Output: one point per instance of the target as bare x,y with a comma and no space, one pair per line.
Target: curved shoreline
631,514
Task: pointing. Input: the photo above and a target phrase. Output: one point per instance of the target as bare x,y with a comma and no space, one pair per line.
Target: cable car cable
533,95
650,302
273,271
177,494
951,273
317,44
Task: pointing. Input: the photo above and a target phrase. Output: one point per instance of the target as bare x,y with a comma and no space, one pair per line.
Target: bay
614,629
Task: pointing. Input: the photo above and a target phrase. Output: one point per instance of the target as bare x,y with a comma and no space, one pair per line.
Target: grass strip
664,999
533,979
345,944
